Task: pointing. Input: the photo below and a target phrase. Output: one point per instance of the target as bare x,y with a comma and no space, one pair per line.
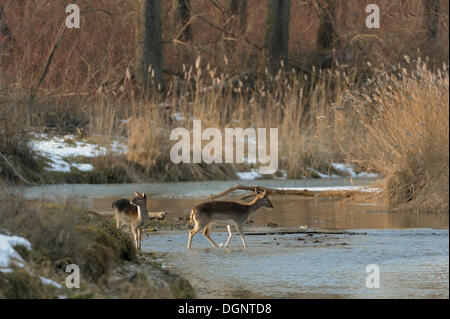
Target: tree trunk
5,34
327,37
238,8
277,33
431,18
181,15
149,45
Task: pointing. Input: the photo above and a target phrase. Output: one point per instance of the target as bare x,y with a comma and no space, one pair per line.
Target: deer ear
143,195
136,193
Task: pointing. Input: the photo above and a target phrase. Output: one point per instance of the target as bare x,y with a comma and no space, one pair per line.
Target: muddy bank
148,268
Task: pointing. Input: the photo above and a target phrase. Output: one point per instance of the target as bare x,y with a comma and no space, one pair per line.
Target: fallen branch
157,215
275,191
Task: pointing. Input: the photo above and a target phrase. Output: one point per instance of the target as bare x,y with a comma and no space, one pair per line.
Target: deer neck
142,213
253,206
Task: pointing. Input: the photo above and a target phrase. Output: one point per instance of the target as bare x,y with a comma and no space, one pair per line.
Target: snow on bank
8,256
345,170
350,171
47,281
248,176
57,149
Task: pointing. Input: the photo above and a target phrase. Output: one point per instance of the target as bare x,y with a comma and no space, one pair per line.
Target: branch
52,53
97,10
275,191
15,171
230,33
214,2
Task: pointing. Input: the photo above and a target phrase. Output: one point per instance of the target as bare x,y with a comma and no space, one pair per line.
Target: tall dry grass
405,116
302,107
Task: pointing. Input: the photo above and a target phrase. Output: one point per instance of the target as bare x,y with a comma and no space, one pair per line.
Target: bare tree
432,10
277,32
181,15
149,57
238,9
327,35
5,34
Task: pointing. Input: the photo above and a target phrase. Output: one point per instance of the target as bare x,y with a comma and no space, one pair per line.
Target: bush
62,235
406,117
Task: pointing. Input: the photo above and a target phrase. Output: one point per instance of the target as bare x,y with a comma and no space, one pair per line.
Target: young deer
225,213
134,213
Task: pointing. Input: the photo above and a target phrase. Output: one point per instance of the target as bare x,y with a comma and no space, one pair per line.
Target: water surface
413,263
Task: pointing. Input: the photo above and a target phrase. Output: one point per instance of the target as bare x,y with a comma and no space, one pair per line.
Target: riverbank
78,159
57,236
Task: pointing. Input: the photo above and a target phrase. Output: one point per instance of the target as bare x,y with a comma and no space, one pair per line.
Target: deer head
264,200
138,199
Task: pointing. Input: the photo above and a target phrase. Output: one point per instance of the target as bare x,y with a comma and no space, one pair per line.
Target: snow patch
8,256
350,171
248,176
49,282
56,149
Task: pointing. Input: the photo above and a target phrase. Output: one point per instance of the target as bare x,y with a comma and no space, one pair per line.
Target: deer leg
230,234
133,228
241,233
117,221
206,234
139,233
192,232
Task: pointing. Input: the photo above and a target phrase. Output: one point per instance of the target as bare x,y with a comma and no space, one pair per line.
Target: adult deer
225,213
134,213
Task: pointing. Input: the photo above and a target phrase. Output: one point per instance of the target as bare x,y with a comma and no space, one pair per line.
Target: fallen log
275,191
157,215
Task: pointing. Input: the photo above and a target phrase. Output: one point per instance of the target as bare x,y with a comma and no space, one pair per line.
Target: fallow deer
225,213
134,213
